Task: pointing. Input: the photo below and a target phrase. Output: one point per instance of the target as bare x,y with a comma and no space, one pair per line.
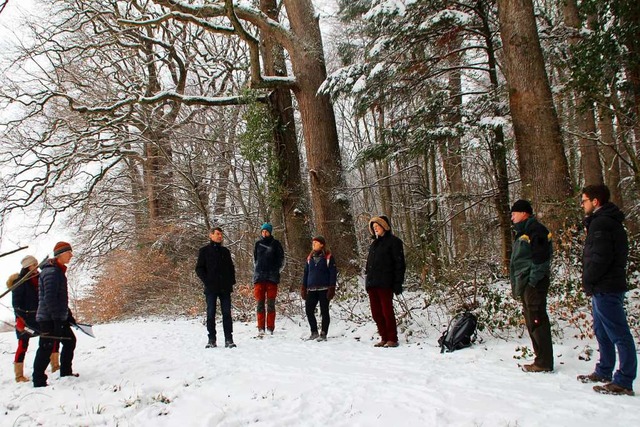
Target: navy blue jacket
215,268
320,271
24,299
268,258
604,258
53,293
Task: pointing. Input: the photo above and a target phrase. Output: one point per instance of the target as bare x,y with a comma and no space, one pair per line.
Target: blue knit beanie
268,227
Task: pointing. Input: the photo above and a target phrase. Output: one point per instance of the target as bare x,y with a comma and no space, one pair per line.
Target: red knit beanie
60,248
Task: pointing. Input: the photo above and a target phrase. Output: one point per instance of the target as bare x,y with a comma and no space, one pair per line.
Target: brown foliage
142,283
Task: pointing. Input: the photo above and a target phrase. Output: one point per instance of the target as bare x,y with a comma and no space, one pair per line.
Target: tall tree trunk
452,164
610,154
541,157
584,111
293,198
498,148
330,202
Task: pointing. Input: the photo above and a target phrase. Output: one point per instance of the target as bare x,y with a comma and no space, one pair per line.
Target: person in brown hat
24,299
384,277
54,316
319,286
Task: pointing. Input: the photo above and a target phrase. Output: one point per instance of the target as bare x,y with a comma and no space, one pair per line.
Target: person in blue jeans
604,264
216,270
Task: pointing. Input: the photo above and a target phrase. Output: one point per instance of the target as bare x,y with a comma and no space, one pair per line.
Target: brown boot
19,370
55,362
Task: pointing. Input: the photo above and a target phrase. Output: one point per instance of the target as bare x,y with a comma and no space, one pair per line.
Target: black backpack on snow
461,333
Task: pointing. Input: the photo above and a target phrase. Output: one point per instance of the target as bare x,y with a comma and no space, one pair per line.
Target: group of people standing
385,271
603,279
40,301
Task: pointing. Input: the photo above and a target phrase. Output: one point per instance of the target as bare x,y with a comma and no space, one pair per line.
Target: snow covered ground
158,373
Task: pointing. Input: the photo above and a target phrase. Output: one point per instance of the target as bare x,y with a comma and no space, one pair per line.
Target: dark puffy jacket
53,293
385,263
268,258
24,299
530,256
215,268
604,259
320,271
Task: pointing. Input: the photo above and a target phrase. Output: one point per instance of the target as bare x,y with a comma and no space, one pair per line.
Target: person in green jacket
529,271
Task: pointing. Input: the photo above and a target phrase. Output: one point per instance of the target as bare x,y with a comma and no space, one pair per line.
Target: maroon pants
381,300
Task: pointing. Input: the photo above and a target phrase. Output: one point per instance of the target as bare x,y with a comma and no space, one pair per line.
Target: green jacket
531,255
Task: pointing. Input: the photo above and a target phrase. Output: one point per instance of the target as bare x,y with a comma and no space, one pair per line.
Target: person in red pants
268,258
384,277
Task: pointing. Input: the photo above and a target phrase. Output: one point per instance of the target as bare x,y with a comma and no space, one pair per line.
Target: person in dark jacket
604,263
384,277
54,316
268,258
529,271
24,299
218,274
319,286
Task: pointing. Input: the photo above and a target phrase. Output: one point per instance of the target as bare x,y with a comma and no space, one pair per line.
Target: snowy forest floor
158,373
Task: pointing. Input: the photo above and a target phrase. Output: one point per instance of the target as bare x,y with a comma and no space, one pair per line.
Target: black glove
331,292
70,319
303,292
397,288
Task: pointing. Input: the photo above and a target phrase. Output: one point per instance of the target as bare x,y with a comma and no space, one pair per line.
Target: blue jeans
225,306
612,331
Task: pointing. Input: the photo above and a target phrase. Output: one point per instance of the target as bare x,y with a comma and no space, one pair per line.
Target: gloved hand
303,292
20,324
397,288
331,292
71,319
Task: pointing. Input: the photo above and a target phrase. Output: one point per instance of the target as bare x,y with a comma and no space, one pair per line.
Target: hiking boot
260,333
380,344
322,337
211,344
612,388
270,331
391,344
592,378
69,374
55,362
19,371
535,368
229,344
313,336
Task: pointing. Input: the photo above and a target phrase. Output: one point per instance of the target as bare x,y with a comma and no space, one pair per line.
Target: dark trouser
534,308
313,297
225,306
612,331
381,301
23,345
56,329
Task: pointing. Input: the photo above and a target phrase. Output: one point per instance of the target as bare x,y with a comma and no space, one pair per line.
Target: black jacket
385,263
215,268
53,295
606,248
268,258
24,299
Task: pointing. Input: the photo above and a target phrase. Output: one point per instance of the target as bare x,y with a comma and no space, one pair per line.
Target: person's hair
597,191
214,229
